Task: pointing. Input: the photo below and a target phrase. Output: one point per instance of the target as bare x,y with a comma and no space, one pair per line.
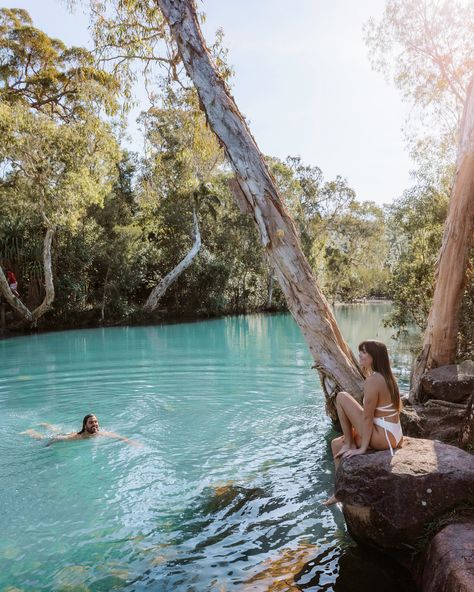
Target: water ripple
224,490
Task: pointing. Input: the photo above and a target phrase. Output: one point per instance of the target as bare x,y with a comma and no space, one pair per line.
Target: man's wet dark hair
84,421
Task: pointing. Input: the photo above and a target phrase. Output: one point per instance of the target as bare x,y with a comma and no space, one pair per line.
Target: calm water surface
224,492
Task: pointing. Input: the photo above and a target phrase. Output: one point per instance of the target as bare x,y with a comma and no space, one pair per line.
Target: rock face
449,560
434,420
466,433
454,383
388,501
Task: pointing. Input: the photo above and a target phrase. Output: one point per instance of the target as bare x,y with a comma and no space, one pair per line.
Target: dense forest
98,235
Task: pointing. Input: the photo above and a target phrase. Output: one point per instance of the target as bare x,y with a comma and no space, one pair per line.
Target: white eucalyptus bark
48,277
12,300
159,290
104,294
16,303
332,356
440,340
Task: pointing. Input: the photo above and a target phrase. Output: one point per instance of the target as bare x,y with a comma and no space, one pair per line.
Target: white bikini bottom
393,428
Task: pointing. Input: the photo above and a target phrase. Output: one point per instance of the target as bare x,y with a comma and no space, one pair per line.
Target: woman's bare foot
330,501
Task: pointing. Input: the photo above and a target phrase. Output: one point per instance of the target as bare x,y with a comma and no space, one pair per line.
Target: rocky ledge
448,563
444,407
401,503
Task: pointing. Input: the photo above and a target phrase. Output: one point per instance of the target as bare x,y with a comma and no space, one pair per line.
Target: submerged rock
278,573
449,560
231,498
389,501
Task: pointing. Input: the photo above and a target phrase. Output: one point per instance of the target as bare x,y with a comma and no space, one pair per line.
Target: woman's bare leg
350,414
336,445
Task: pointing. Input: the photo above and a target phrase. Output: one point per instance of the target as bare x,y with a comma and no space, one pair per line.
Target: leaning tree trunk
332,356
440,341
12,300
48,277
16,303
158,291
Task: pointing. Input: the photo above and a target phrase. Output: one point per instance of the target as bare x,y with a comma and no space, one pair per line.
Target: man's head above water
90,425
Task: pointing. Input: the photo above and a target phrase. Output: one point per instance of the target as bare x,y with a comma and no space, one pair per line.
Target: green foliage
43,74
344,240
132,39
466,318
122,224
416,226
427,48
355,253
57,157
55,170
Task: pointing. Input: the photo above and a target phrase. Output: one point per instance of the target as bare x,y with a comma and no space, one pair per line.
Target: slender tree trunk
333,358
440,341
158,291
12,300
48,277
104,295
16,303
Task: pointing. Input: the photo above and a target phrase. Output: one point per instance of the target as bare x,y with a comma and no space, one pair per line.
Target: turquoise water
223,492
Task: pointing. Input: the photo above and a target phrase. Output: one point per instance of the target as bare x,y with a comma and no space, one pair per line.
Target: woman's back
385,407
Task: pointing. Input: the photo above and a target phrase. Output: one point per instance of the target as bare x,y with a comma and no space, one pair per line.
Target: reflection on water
225,492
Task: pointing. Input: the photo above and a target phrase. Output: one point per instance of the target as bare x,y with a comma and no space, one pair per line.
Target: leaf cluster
43,74
427,48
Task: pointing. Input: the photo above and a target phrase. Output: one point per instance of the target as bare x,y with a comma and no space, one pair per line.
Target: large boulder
436,420
454,383
388,502
449,560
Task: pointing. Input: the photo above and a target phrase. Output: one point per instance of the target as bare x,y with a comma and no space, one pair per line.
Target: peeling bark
440,340
159,290
12,300
333,358
48,277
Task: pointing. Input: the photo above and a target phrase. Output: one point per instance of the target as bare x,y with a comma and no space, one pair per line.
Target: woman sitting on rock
376,425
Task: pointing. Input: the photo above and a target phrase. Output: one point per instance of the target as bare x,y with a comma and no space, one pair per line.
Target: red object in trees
11,278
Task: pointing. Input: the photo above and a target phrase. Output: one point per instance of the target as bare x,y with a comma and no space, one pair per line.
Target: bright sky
302,79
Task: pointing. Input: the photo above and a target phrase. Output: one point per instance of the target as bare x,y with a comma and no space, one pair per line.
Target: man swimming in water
90,428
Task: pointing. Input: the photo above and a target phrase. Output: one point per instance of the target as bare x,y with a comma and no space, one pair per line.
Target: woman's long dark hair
381,364
84,421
